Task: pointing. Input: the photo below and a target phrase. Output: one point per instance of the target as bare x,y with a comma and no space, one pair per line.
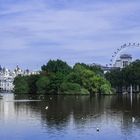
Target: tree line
57,77
122,79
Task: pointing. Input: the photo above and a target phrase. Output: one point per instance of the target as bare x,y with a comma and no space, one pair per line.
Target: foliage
125,77
70,88
58,77
42,84
84,91
21,85
105,88
56,66
32,79
115,77
96,69
88,79
55,82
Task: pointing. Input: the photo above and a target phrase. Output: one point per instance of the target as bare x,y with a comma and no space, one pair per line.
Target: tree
116,78
95,69
87,78
42,84
56,79
123,78
56,66
70,88
106,88
21,85
32,79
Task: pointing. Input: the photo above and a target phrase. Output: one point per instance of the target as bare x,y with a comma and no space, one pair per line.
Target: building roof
126,56
118,60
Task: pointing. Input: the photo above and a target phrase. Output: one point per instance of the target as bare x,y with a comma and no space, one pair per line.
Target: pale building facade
123,61
7,77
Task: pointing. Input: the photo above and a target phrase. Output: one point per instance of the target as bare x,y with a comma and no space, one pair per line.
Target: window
125,63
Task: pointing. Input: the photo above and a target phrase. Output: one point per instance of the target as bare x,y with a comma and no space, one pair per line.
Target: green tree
32,79
88,79
106,88
57,66
21,85
116,78
56,79
70,88
123,78
42,85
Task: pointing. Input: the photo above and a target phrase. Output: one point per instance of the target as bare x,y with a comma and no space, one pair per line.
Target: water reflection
70,117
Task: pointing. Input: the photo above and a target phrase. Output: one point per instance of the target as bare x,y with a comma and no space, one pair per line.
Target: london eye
118,51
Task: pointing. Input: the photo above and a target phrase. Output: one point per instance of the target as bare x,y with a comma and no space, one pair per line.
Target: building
123,61
7,77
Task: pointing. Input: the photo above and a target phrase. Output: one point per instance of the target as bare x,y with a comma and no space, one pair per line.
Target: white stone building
123,61
7,77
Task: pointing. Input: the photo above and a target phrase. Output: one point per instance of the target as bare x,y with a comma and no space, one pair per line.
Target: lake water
69,117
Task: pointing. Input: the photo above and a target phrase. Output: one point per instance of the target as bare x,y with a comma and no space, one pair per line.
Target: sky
34,31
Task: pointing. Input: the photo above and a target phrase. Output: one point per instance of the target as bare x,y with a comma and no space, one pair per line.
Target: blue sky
89,31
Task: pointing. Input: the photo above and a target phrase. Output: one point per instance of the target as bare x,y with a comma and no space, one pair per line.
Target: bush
42,84
105,89
21,85
70,88
84,91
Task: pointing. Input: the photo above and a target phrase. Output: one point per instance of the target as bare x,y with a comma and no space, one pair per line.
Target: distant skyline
35,31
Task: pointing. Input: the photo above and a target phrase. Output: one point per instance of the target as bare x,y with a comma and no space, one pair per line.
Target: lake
26,117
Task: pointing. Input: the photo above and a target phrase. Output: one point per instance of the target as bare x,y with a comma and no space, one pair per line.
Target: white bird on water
46,107
97,129
133,119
